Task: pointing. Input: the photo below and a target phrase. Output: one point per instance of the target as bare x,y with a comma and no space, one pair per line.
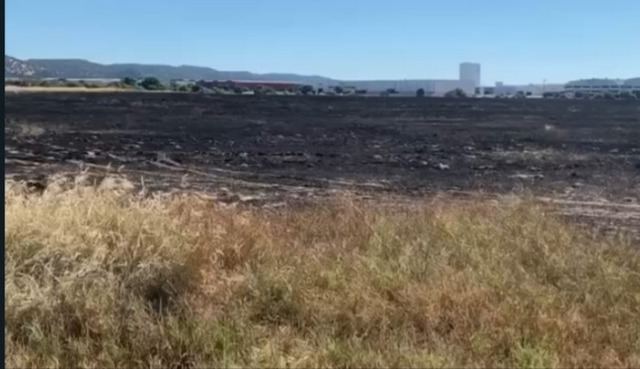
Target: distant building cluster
587,88
468,82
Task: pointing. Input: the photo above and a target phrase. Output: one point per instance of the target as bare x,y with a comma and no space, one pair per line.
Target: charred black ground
278,147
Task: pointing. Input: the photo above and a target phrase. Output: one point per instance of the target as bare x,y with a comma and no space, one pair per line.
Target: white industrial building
470,72
602,86
469,79
531,89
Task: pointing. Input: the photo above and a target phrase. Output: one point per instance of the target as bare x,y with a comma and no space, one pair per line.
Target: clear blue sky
516,41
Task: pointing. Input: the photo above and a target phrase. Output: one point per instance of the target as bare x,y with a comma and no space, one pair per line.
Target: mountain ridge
82,68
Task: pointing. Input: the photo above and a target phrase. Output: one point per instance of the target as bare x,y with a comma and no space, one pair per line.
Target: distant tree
263,91
129,81
306,90
626,95
457,93
16,82
320,90
152,83
361,92
391,91
338,90
420,92
196,88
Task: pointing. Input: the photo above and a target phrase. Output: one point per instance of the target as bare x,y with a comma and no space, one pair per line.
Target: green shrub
152,83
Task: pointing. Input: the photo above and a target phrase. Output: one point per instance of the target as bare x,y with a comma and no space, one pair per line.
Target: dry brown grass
18,89
98,278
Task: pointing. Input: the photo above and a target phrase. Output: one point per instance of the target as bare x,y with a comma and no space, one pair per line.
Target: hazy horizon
517,43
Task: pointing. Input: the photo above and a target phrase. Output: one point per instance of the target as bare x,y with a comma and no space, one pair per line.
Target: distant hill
79,68
633,82
18,68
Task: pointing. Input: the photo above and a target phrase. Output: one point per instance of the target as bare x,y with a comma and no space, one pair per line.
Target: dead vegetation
97,277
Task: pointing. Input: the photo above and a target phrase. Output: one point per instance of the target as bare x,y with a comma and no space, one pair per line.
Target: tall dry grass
100,278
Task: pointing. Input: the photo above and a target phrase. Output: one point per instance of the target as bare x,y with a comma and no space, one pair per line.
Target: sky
515,41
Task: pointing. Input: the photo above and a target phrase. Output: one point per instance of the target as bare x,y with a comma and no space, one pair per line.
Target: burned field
584,155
